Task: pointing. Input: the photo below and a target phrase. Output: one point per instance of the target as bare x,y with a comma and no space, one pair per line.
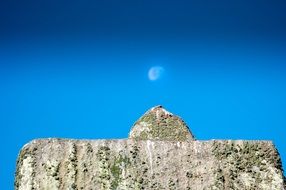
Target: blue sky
80,69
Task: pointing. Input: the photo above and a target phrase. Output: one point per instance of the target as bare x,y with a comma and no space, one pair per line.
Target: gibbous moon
155,73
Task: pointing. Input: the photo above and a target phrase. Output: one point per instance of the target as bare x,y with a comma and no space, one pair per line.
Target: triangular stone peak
159,124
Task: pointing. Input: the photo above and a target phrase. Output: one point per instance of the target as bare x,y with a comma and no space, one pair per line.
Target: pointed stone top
159,124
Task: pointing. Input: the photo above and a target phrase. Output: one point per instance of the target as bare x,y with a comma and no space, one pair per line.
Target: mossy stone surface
159,124
55,164
160,153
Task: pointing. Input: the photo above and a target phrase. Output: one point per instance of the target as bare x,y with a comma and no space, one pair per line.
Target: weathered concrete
160,163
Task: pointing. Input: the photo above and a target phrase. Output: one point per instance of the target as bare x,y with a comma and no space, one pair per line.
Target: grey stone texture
159,124
149,160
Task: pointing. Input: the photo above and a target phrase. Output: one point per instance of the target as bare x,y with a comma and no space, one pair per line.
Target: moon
155,73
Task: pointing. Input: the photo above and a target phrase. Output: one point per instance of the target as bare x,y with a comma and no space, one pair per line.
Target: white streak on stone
157,113
196,147
149,151
166,112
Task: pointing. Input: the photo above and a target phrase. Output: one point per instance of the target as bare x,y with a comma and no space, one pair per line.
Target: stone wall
130,164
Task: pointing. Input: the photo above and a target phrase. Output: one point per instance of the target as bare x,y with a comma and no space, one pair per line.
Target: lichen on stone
159,124
252,164
161,153
25,168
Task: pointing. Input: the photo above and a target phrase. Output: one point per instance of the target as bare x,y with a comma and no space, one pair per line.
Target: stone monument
160,153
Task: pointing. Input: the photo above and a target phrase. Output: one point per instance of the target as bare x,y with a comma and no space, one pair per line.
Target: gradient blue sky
78,69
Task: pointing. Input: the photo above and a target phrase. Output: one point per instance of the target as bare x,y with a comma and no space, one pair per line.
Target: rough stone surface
131,164
159,124
175,161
